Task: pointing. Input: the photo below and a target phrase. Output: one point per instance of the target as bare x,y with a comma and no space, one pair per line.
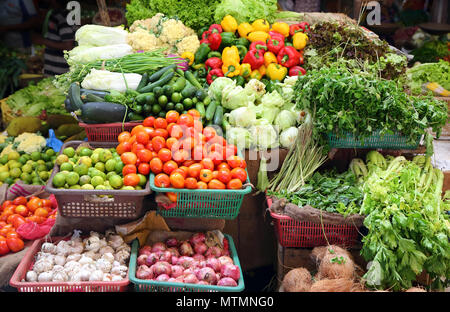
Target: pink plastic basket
107,132
17,280
292,233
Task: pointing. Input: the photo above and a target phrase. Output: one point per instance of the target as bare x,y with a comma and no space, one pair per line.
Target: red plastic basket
292,233
107,132
17,280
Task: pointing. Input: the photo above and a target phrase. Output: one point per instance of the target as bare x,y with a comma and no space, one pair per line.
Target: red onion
230,270
159,247
214,264
188,271
173,251
183,66
190,279
164,256
144,272
186,249
142,259
201,264
225,259
145,250
197,238
177,270
163,278
227,281
174,260
172,242
172,280
179,279
207,274
200,248
186,262
226,253
214,252
198,257
161,267
202,283
152,259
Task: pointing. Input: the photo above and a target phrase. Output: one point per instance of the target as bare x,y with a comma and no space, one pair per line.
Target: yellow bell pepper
246,70
258,36
189,56
276,71
231,69
244,29
261,24
229,24
255,75
269,57
230,55
282,28
299,40
262,70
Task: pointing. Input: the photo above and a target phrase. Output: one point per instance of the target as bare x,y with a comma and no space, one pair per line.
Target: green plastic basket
155,286
391,141
211,204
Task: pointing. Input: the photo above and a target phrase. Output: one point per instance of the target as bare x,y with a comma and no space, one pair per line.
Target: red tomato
47,203
15,244
198,126
180,156
216,185
172,144
172,116
165,155
21,210
217,139
129,158
158,143
123,148
162,133
156,165
224,176
135,130
20,201
172,196
180,171
236,162
186,120
188,163
207,163
149,121
209,133
194,170
4,249
229,151
137,147
176,132
127,169
160,123
150,131
131,179
239,173
223,165
162,180
6,229
194,113
142,137
198,152
190,183
41,212
5,203
170,166
234,184
202,185
144,155
205,175
177,179
124,136
216,157
144,169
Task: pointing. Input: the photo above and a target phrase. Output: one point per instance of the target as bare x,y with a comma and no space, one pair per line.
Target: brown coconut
416,289
318,253
297,280
332,285
332,270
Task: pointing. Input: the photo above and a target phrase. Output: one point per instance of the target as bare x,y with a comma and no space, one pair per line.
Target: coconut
318,253
342,267
333,285
416,289
297,280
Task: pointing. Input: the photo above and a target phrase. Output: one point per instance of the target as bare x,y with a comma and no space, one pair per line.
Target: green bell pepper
242,51
202,53
214,54
228,39
201,31
242,41
240,81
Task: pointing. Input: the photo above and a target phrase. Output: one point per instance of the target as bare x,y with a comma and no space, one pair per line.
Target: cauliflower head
142,39
188,44
173,30
30,142
148,24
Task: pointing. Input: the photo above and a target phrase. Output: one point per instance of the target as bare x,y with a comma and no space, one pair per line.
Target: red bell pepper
295,70
212,39
206,34
258,45
213,63
215,28
302,27
301,58
213,74
275,45
288,57
274,34
255,58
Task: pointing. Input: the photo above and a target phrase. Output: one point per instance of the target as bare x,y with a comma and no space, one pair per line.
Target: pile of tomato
17,212
182,154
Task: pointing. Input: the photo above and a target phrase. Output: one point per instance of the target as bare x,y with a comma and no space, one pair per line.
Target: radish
214,252
145,250
177,270
207,274
214,264
163,278
161,267
227,281
172,242
159,247
225,259
197,238
142,259
144,272
200,248
230,270
190,279
186,249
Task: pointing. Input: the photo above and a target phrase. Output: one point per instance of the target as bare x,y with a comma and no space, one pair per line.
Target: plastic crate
27,263
107,132
390,141
86,203
155,286
292,233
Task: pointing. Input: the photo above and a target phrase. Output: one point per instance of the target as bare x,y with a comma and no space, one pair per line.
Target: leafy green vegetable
431,51
428,72
246,10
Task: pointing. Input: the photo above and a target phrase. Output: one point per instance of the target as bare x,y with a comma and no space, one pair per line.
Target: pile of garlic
96,258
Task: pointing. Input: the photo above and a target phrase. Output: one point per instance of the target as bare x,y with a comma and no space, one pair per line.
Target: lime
65,173
105,156
85,179
40,162
23,160
117,159
75,187
118,167
9,181
100,166
15,173
4,176
61,159
142,180
45,157
14,164
138,187
34,165
44,168
81,169
49,165
110,165
100,187
53,158
59,180
26,177
95,157
69,152
35,156
87,187
110,174
86,160
44,175
66,166
162,100
179,107
72,178
116,181
97,180
85,151
50,152
4,159
4,168
187,103
13,155
176,97
27,168
33,174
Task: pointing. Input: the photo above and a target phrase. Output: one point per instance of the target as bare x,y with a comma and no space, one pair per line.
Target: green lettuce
247,10
428,72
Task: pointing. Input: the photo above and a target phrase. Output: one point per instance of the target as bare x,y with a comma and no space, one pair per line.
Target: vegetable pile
428,72
191,261
431,51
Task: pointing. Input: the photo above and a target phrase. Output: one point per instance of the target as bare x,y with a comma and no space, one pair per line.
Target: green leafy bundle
408,225
431,51
428,72
247,10
357,102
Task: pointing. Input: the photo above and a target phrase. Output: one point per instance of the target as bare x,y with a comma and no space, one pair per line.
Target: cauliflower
30,142
149,23
142,39
188,44
172,30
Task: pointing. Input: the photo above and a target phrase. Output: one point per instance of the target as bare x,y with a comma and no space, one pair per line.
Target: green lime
44,175
45,157
110,165
4,159
75,187
49,165
4,168
138,187
87,187
40,162
23,160
142,180
95,157
127,188
162,100
50,152
162,114
15,173
97,180
66,166
59,180
179,107
43,168
85,179
26,177
53,158
156,109
13,155
72,178
61,159
4,176
116,181
100,187
168,90
187,103
105,155
34,165
158,91
33,174
176,97
81,169
100,166
65,173
170,106
117,159
110,174
69,152
9,181
85,151
86,160
194,100
35,156
118,167
15,164
27,168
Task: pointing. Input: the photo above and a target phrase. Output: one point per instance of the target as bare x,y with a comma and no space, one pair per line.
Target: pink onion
218,276
172,242
227,281
177,270
197,238
145,250
164,256
190,279
214,264
163,278
201,264
225,253
202,283
173,251
179,279
186,262
199,257
142,259
230,270
184,65
188,271
159,247
174,260
152,258
172,280
144,272
214,252
207,274
200,248
161,267
186,249
225,259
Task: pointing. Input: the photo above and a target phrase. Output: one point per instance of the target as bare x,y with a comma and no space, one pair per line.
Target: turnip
207,274
173,251
144,272
177,270
213,252
159,247
200,248
186,249
225,259
161,267
214,264
230,270
197,238
142,259
145,250
190,279
163,278
227,281
186,262
172,242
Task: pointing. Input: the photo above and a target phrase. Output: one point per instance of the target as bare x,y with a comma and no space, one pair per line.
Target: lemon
59,179
61,159
15,173
87,187
85,179
72,178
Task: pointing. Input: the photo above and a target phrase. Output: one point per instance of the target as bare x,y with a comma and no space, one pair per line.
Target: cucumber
211,110
159,83
188,91
218,116
103,112
179,84
180,72
142,98
95,92
200,108
143,82
201,94
75,96
90,97
133,116
156,76
190,77
225,125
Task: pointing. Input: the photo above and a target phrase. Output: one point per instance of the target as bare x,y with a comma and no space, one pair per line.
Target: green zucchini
143,82
157,75
75,96
159,83
68,106
90,97
102,112
190,77
211,110
218,115
200,108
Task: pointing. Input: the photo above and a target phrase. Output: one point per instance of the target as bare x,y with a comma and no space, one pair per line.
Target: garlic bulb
107,277
116,263
124,246
62,248
95,234
115,241
92,244
106,249
57,268
97,275
120,270
45,277
85,259
73,257
50,258
109,232
103,265
122,256
82,276
92,254
60,260
42,265
76,248
48,248
42,255
103,243
108,257
116,278
70,265
31,276
60,276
